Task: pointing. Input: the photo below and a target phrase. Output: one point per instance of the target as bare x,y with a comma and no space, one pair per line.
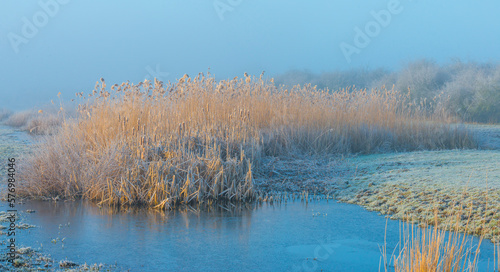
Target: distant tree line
467,90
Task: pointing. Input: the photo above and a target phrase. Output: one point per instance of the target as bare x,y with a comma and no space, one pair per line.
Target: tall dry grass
440,248
45,121
496,258
434,249
198,140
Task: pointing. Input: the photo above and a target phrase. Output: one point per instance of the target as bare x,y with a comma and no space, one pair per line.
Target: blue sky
67,45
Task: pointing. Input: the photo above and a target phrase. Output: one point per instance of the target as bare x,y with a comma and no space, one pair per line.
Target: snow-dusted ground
414,185
418,184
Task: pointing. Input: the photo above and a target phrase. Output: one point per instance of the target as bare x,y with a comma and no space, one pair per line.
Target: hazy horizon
51,46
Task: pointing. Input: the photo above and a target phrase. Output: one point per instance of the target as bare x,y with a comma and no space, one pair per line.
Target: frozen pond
319,236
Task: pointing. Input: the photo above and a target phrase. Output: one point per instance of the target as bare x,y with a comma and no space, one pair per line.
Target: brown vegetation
198,140
433,249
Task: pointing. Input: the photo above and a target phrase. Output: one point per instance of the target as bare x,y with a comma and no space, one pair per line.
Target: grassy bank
199,140
417,184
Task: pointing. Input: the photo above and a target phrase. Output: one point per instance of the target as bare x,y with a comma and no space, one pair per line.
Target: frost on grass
461,186
199,140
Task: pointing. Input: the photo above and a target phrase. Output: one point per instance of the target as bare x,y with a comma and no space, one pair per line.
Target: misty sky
52,46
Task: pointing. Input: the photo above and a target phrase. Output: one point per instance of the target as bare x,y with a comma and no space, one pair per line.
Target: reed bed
199,140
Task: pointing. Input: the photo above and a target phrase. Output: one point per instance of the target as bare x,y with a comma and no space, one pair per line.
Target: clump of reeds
198,140
37,122
425,248
496,258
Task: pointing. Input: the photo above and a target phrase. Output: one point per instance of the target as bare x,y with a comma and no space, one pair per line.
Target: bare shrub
338,80
423,78
40,122
19,119
4,114
294,77
473,92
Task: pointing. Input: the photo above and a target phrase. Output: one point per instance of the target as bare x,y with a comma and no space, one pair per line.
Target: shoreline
406,186
401,185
